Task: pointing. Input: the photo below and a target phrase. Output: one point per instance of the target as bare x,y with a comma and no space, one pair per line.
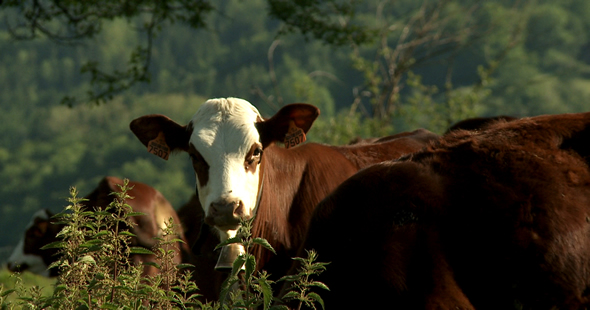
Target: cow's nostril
239,208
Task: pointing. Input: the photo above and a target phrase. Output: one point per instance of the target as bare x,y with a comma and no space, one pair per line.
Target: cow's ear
160,134
291,120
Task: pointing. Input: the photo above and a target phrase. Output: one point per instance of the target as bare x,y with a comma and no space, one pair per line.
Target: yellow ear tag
159,147
294,136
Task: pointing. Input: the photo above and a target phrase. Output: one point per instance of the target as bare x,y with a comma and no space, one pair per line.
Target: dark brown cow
240,171
481,220
202,241
41,230
479,123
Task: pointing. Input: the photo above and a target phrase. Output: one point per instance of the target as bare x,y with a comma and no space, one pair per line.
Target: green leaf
291,295
237,265
317,298
289,278
140,250
183,266
87,259
279,307
226,288
127,233
250,265
228,241
7,292
54,245
266,292
130,214
320,285
102,233
264,243
153,264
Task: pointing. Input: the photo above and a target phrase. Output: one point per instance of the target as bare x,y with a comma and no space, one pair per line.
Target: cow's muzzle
225,214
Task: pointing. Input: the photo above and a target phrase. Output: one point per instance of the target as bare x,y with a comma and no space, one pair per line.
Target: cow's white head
226,139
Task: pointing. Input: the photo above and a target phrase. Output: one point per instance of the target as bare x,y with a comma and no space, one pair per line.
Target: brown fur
479,123
297,179
479,220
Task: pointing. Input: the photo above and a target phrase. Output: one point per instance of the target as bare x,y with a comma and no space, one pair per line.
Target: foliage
256,285
96,270
303,283
74,21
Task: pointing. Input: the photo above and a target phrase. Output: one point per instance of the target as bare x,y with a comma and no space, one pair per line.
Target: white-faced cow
41,231
480,220
241,171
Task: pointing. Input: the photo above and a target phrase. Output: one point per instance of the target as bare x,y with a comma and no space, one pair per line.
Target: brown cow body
145,199
479,220
293,225
289,182
297,179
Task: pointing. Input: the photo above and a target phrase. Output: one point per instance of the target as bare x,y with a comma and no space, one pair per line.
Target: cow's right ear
160,134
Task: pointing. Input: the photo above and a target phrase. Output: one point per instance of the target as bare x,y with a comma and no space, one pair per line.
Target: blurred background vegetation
69,87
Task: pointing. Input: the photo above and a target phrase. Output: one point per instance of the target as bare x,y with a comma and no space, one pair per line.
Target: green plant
250,289
303,283
96,269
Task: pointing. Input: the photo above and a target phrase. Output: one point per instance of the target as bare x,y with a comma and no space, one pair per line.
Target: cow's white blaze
35,263
223,133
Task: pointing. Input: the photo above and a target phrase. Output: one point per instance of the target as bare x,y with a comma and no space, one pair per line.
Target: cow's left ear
160,134
292,119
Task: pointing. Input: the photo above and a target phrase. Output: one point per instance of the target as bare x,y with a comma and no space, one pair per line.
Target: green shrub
95,270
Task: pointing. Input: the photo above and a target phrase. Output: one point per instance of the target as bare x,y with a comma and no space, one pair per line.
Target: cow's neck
294,181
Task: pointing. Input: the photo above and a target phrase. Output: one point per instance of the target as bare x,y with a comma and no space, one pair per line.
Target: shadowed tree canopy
76,21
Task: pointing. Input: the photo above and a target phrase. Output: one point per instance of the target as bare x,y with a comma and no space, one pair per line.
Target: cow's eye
253,157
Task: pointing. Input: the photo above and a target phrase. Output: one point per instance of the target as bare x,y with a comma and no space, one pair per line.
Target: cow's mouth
223,222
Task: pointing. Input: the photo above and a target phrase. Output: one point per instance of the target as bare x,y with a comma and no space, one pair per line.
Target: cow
479,123
202,241
41,230
241,171
495,219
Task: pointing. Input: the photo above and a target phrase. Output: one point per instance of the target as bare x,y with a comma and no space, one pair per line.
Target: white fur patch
223,133
35,262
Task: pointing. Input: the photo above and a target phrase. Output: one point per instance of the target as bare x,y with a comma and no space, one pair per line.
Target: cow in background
202,240
478,220
41,230
240,171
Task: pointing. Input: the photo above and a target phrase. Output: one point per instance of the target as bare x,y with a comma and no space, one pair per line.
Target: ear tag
294,136
159,147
